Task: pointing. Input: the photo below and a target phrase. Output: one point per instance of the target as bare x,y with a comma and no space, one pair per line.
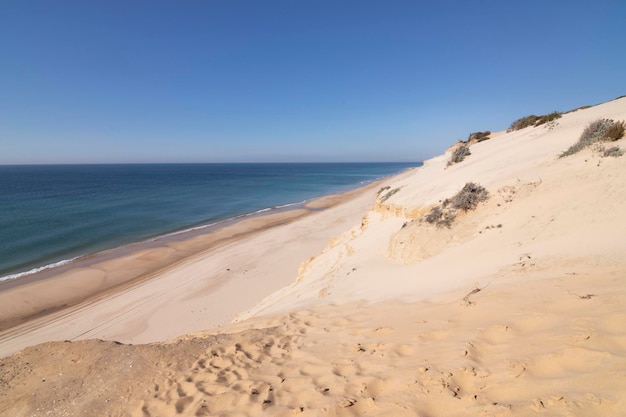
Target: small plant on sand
577,108
613,151
434,215
440,217
459,154
533,120
479,136
388,194
522,123
614,132
601,130
467,199
548,118
385,188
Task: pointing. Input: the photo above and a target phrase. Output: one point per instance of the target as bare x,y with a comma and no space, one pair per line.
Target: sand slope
553,347
556,211
519,309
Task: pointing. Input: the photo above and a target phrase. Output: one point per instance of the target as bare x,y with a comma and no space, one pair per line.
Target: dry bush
469,197
466,199
523,122
614,132
434,215
459,154
388,194
479,136
533,120
601,130
440,217
614,152
385,188
548,118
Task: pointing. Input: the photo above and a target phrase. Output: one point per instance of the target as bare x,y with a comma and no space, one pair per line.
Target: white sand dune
517,309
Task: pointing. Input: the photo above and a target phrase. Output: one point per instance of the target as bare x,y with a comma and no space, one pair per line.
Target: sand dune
518,309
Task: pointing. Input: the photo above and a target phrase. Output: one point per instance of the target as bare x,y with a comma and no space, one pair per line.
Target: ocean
51,215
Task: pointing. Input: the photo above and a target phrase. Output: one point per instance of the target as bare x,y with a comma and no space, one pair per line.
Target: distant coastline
42,270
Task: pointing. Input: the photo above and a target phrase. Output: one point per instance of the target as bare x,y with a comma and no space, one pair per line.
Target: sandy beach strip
158,290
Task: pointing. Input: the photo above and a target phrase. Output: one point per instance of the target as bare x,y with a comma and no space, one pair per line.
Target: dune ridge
517,309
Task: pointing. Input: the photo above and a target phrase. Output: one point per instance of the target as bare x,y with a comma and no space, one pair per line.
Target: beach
355,304
203,280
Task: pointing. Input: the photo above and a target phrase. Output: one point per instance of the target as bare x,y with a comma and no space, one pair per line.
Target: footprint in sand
404,350
383,330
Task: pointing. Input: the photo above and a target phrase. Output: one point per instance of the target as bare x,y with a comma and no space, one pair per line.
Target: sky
291,81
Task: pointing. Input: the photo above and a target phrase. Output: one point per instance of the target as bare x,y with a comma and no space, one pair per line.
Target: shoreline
55,267
86,260
27,259
52,269
33,302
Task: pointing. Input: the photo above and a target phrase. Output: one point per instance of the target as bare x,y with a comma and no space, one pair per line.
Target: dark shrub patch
614,152
522,123
469,197
533,120
614,132
459,154
601,130
466,199
479,136
388,194
548,118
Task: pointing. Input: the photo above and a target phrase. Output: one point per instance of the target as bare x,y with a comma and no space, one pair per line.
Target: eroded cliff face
398,210
418,239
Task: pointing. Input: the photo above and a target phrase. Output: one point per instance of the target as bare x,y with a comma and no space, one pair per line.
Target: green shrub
601,130
459,154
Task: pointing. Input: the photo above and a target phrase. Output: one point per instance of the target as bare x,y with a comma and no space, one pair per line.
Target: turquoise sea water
52,214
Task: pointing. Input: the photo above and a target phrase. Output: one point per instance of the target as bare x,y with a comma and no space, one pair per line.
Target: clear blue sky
296,80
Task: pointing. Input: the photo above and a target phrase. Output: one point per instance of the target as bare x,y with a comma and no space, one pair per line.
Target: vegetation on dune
533,120
614,132
613,151
463,150
459,154
440,217
523,123
601,130
467,199
478,136
548,118
385,197
578,108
